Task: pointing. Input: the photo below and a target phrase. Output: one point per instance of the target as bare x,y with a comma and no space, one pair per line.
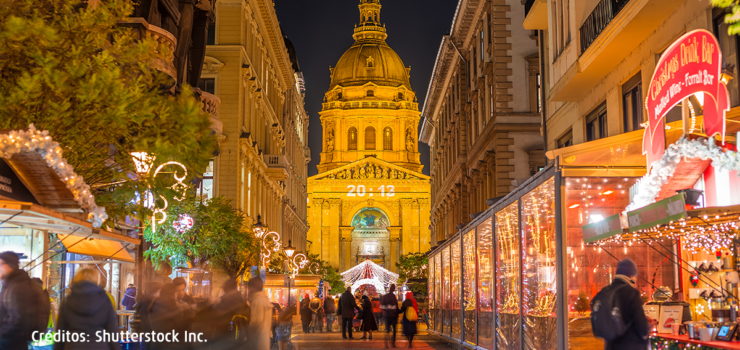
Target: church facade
370,199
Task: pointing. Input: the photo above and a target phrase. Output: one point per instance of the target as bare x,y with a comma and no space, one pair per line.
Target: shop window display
590,267
538,262
446,302
432,293
469,286
508,333
456,290
485,285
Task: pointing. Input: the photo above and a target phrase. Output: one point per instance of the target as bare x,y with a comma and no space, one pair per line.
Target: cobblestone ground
323,341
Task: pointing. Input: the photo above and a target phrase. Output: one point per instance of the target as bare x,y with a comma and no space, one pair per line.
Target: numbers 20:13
359,191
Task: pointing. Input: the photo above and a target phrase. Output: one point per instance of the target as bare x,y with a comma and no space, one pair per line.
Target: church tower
369,199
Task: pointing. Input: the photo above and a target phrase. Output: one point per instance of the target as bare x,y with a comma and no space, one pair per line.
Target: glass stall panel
589,268
508,333
538,262
438,296
485,285
432,287
446,300
455,262
469,286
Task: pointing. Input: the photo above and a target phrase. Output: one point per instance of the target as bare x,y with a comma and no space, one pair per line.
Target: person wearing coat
330,310
231,308
347,307
389,308
88,310
368,319
166,316
408,326
633,313
260,321
306,314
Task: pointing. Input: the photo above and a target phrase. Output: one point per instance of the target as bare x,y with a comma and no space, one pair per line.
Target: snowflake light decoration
183,223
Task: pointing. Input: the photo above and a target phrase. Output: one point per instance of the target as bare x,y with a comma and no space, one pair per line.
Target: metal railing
601,16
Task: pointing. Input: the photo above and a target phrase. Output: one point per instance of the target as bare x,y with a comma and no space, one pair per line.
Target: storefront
521,275
283,290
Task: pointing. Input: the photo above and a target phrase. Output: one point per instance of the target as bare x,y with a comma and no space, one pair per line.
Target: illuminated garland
40,142
369,271
648,188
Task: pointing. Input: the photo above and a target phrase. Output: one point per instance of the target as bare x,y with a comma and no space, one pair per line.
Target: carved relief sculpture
330,138
410,140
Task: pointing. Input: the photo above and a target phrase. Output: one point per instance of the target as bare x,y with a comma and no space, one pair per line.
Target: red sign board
692,64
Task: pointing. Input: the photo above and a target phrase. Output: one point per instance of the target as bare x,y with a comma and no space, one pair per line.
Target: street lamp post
289,251
262,235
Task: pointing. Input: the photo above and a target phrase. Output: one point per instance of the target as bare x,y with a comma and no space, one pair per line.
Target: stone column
314,232
395,237
347,256
333,223
407,221
325,232
427,240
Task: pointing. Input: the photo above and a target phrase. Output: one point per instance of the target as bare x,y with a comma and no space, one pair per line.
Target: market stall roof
42,181
273,280
96,248
29,215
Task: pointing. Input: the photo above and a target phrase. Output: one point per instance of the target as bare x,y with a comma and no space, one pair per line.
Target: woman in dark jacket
409,326
166,316
87,309
306,314
368,319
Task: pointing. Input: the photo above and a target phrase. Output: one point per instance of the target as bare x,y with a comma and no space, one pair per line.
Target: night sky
322,30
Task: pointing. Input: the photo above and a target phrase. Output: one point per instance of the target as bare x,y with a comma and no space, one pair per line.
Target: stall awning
96,248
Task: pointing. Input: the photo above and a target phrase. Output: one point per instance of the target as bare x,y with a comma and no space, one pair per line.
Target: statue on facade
378,172
409,140
382,250
363,175
330,139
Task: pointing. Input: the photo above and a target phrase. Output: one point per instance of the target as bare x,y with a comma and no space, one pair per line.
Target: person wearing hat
260,322
633,314
19,304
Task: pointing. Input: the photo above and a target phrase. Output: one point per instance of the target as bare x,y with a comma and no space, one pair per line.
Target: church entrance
371,237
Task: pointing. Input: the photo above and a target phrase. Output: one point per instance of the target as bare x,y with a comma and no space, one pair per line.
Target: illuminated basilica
370,199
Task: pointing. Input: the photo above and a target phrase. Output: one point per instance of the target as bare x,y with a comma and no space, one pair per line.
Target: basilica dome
370,61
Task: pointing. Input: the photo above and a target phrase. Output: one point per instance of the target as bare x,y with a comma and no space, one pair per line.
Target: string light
19,141
368,272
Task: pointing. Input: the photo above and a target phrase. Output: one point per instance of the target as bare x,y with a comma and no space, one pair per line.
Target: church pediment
370,168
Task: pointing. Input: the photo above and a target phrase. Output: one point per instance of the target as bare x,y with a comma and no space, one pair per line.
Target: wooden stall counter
666,341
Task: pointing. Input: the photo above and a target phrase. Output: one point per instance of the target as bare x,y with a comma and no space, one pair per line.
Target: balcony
277,166
166,43
610,33
535,15
209,103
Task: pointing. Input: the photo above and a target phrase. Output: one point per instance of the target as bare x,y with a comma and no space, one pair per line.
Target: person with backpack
260,319
230,317
617,314
87,309
410,312
24,306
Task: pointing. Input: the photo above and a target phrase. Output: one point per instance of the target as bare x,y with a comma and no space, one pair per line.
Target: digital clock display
360,191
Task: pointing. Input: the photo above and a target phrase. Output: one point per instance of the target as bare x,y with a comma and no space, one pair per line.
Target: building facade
482,112
262,163
370,199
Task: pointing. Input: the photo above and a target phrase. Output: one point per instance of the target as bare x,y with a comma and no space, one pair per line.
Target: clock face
362,191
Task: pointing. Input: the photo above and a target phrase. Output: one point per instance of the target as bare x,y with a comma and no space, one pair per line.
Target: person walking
141,308
23,307
284,326
368,319
346,310
258,331
87,310
630,306
231,310
330,308
166,316
182,296
306,314
410,314
389,307
376,310
129,298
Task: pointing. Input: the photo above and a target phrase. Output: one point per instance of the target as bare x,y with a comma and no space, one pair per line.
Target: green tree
328,273
68,68
733,17
411,265
218,238
582,304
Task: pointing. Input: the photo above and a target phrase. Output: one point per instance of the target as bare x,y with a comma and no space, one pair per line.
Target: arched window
352,139
388,139
370,138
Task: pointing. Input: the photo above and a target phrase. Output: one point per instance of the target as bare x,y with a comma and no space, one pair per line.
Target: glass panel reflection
438,297
456,290
538,261
432,287
446,304
508,334
485,285
469,285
